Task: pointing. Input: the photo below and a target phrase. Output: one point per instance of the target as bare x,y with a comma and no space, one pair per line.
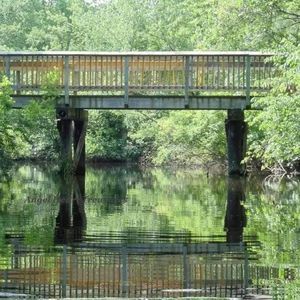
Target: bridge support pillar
72,126
79,146
236,133
65,129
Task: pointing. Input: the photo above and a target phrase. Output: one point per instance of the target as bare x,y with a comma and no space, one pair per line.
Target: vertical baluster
142,72
228,72
40,72
150,72
207,72
18,82
165,72
36,71
239,73
116,72
78,88
196,61
248,78
169,66
126,80
26,71
111,72
264,69
76,74
120,61
101,71
97,72
173,67
259,72
233,72
156,83
253,72
218,72
29,73
84,75
90,73
106,71
154,86
213,72
136,67
187,76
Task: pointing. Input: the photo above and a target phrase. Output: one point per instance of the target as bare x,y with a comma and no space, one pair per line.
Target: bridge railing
141,72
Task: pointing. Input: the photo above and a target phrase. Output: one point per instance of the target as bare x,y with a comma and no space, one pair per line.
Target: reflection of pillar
64,217
79,217
236,132
235,219
71,219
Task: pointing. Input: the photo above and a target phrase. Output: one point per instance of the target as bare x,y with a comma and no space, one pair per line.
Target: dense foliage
160,138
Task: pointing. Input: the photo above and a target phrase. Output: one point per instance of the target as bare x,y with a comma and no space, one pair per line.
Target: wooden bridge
139,80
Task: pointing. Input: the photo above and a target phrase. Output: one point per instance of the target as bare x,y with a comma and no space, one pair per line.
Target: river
128,232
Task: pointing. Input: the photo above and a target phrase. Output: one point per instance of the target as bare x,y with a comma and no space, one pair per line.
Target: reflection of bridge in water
149,270
121,266
152,270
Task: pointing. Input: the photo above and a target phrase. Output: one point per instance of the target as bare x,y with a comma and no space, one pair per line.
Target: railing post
126,81
187,80
66,79
248,78
18,82
7,66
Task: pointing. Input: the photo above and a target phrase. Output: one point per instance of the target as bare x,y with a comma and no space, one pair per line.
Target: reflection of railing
129,270
188,74
199,270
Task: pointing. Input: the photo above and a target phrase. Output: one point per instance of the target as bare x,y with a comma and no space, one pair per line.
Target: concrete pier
236,133
72,126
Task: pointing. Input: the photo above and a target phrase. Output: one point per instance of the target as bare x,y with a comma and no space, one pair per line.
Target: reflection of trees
175,201
275,217
108,186
27,205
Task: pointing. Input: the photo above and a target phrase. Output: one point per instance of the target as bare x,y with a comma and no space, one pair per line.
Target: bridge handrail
154,73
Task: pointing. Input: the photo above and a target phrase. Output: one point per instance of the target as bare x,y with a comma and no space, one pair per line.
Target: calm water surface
151,233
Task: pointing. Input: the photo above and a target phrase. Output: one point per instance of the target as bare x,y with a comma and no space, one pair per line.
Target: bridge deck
140,80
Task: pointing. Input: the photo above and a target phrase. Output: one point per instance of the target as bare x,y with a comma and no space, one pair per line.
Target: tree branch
295,15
